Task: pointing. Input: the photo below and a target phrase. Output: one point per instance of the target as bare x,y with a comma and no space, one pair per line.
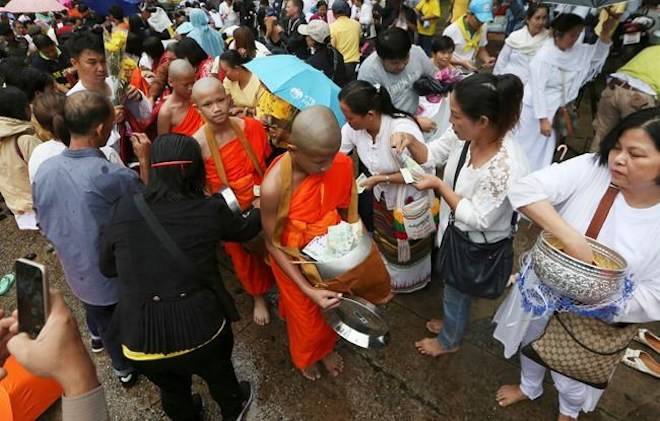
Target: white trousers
539,149
574,396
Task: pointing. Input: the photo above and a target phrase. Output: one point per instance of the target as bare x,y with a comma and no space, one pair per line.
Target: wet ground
390,384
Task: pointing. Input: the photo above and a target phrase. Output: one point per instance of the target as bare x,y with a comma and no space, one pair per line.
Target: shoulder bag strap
601,211
461,162
188,265
215,154
248,148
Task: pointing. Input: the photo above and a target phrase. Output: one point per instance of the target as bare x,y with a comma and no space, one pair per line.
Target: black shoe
198,405
97,345
128,380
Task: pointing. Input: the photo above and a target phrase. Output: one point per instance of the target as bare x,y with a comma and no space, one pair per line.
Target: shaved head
180,68
316,129
206,85
211,100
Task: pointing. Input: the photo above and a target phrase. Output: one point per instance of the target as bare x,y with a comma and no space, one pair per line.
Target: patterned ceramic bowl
586,283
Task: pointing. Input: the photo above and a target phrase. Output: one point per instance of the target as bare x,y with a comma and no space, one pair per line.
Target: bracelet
387,179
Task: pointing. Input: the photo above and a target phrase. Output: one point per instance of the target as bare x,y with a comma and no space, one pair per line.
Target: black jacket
161,308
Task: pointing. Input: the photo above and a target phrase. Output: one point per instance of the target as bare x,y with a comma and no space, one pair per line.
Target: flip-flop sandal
642,361
647,338
6,282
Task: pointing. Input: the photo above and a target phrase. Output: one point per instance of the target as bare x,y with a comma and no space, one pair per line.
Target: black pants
99,320
212,362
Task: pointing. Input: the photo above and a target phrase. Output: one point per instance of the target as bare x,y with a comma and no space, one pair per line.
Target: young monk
178,115
319,182
241,151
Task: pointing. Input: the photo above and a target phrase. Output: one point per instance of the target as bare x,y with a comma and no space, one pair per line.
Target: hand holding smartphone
32,296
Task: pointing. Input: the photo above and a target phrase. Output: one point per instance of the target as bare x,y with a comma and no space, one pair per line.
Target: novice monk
178,115
241,151
318,181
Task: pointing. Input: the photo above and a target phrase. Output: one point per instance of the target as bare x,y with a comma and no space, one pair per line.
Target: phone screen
30,298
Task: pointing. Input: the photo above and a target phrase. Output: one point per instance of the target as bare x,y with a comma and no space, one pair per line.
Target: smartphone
31,296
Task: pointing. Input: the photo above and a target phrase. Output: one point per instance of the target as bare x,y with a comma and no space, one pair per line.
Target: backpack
338,68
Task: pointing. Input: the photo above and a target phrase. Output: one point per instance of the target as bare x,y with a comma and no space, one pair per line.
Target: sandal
646,337
6,282
642,361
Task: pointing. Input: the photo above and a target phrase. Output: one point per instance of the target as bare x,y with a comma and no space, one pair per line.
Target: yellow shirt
616,8
428,8
459,8
345,35
644,66
246,97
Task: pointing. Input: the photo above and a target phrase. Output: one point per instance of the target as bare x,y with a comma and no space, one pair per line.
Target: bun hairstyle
564,23
533,7
48,109
233,58
499,98
362,97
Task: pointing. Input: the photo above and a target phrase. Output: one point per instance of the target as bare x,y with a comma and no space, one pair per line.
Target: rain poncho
207,38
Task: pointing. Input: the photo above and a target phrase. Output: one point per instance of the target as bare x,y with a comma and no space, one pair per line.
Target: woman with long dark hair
484,108
242,85
372,123
174,314
563,199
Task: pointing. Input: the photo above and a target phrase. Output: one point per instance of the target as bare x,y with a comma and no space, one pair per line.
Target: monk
177,114
242,147
319,182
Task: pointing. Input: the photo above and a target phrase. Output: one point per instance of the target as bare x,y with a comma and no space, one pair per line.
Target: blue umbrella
297,82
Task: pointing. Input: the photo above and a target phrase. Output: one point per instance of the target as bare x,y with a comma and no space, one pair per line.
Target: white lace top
484,207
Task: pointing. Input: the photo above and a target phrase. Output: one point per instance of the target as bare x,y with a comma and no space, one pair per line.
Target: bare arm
429,181
545,215
164,116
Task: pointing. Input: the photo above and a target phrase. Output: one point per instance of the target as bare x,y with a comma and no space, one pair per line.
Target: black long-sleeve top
163,309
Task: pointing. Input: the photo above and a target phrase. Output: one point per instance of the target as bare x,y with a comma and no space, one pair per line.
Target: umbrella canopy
32,6
588,3
297,82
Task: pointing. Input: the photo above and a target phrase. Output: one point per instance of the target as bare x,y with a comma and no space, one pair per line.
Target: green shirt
644,66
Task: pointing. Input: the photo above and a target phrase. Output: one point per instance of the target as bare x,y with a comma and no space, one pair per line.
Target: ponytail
499,98
362,97
48,110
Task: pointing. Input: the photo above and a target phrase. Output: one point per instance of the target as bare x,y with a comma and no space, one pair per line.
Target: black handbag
476,269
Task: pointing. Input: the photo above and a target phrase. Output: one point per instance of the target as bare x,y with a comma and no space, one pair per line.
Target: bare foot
432,348
334,363
563,417
434,325
312,372
509,394
260,315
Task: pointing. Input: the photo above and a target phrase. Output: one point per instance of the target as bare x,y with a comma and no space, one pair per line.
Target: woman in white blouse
556,74
484,108
562,199
521,45
372,124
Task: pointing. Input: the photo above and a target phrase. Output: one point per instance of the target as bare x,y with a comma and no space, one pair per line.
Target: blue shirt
73,195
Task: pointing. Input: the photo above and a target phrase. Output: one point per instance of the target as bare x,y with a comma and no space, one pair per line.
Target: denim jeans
98,322
456,312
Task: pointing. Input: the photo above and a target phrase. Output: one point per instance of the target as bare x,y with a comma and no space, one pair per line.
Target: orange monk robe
251,270
314,207
190,123
24,396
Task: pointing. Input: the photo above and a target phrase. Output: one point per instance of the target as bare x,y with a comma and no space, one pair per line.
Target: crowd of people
125,172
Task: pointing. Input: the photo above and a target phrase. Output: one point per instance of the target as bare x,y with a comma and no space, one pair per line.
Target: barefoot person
319,182
237,162
178,114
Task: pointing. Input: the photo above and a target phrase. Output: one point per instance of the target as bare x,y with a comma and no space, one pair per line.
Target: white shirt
484,207
575,188
640,85
141,109
228,15
376,154
512,61
454,32
550,86
51,148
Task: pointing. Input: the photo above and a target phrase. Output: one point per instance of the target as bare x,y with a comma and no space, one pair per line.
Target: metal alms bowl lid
359,322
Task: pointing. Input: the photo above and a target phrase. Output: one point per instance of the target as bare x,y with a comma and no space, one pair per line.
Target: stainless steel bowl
231,199
586,283
334,268
359,322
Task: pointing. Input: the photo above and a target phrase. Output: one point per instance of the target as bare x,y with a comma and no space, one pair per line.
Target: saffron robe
313,208
250,268
190,123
